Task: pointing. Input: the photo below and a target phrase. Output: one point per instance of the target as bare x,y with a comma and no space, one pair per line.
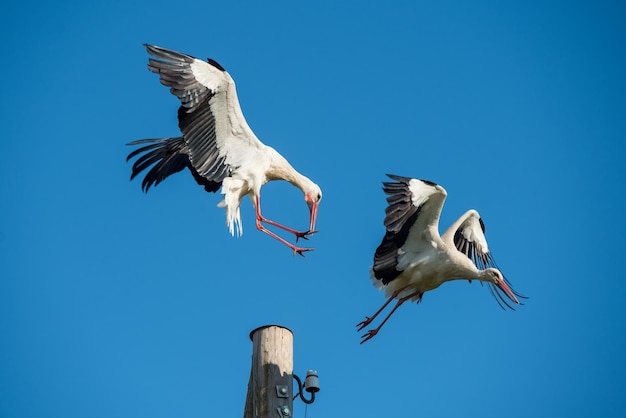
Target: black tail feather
166,156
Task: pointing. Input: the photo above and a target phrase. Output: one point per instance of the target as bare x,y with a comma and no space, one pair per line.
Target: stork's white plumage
412,258
217,145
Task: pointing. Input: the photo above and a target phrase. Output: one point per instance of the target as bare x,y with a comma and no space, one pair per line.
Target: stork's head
312,197
495,277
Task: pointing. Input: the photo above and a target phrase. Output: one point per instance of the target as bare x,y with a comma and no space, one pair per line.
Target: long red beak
507,291
313,208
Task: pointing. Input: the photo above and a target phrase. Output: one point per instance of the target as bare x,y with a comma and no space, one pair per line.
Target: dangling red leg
368,319
260,227
371,333
261,218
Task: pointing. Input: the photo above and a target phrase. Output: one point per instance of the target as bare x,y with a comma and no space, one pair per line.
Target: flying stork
217,145
412,258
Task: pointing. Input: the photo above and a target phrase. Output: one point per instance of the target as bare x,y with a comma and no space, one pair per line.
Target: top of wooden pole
270,386
267,326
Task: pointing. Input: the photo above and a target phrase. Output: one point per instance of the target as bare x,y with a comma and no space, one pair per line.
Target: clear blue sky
114,303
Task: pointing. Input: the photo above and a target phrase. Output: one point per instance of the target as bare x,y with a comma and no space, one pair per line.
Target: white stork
412,258
217,145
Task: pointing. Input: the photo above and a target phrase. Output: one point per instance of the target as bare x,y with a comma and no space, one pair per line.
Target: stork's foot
364,323
369,335
304,234
300,251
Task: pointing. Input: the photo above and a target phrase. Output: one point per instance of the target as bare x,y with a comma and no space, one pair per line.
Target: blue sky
114,303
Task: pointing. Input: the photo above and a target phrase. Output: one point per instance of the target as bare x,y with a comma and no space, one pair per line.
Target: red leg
371,333
260,227
261,218
296,250
368,320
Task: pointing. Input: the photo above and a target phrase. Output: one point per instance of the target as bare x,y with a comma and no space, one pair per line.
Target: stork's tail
169,156
232,191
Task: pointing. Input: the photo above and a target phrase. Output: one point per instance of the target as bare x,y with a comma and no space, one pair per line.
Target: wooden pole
270,387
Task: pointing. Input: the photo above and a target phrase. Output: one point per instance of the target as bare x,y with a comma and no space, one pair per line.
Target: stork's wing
176,70
406,199
469,238
163,157
210,118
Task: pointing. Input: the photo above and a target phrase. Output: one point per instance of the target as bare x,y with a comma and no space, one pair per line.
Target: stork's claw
304,234
369,335
300,251
364,323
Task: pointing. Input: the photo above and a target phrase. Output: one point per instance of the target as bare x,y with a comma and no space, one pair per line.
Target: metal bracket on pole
282,391
283,411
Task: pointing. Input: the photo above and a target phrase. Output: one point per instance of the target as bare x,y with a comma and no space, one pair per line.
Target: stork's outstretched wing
406,199
469,238
215,131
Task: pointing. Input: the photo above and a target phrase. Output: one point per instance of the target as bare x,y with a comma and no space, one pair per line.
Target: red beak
507,291
313,208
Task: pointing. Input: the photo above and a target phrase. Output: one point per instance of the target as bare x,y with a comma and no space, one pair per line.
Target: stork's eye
319,197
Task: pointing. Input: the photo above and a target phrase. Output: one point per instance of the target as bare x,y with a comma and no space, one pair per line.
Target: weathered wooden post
270,386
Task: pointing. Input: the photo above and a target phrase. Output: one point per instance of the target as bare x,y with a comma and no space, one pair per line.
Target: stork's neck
471,272
462,268
280,169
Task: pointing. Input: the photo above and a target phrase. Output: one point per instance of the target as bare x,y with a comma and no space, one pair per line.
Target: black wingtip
401,179
482,224
406,180
215,64
150,48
